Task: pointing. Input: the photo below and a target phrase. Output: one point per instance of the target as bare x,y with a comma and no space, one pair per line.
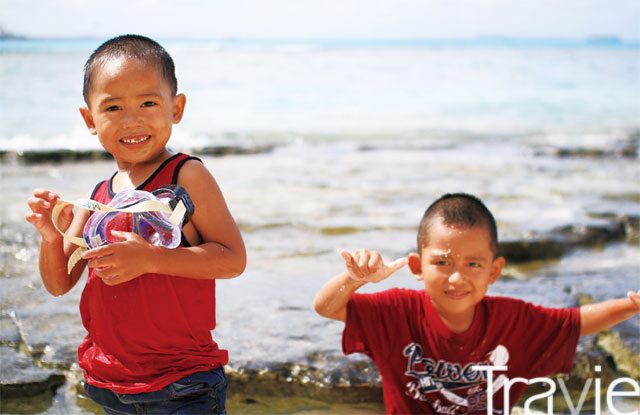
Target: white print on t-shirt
445,377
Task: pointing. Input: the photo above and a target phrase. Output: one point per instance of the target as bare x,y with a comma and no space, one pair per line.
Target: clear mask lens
155,227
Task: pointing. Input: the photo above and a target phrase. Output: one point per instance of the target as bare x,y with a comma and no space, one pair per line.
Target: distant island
6,35
604,39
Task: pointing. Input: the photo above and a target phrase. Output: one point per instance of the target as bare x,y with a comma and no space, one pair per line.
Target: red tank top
153,330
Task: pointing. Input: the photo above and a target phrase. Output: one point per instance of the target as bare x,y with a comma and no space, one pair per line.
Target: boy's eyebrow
149,94
113,98
107,99
440,253
478,258
444,254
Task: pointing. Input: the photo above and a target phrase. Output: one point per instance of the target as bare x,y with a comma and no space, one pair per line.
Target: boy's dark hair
458,209
135,47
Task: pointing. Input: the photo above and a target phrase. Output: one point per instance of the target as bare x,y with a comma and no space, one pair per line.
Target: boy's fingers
351,265
635,297
374,261
96,252
363,261
349,262
46,195
66,214
37,203
122,235
398,263
34,218
346,256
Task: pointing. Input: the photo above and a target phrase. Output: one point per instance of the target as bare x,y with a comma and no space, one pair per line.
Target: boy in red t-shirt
428,344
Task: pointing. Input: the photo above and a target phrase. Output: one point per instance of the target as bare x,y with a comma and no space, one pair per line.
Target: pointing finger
398,263
635,297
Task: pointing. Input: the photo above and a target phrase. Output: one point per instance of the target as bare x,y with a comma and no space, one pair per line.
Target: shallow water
300,204
361,149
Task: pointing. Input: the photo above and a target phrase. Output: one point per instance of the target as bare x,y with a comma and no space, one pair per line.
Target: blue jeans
198,393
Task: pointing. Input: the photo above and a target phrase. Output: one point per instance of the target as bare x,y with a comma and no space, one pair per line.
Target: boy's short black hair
458,209
130,46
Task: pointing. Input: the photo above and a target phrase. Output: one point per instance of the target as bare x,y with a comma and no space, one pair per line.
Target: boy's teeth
135,140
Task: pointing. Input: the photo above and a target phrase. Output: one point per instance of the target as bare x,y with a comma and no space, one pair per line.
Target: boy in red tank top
431,346
148,310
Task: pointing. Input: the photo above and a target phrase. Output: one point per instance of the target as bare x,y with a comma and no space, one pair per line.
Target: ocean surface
365,135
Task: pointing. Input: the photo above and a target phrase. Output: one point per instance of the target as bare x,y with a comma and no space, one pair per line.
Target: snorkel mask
156,216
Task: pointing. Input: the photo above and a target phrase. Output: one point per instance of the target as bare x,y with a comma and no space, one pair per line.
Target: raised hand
365,265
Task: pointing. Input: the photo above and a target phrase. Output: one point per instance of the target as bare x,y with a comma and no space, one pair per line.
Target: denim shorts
198,393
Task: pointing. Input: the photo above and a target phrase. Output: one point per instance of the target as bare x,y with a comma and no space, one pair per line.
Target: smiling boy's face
457,267
132,110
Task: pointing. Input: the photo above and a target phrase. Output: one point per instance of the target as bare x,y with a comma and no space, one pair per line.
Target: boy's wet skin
457,268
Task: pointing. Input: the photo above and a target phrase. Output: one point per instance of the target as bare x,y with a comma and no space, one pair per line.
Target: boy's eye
148,104
474,264
442,263
112,108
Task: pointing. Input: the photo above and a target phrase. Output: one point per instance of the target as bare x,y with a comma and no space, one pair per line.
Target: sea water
365,135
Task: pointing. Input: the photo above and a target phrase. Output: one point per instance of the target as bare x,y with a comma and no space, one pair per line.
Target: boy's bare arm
361,267
218,252
331,301
54,251
601,316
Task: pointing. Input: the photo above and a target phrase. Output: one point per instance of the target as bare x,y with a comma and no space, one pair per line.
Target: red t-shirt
153,330
426,367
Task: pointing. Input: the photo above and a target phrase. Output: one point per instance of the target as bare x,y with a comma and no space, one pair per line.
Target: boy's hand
368,266
121,261
41,205
635,297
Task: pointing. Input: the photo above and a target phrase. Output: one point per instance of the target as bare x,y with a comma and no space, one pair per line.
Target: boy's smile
457,267
132,110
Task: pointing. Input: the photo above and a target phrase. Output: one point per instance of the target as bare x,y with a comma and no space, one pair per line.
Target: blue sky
323,18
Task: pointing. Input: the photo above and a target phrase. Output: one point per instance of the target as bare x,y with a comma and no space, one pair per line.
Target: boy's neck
456,322
132,175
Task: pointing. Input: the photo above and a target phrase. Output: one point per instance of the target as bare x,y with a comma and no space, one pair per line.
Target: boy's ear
496,268
415,265
88,120
179,102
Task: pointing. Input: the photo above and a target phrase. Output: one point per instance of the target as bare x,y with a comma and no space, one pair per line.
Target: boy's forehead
112,72
121,66
445,240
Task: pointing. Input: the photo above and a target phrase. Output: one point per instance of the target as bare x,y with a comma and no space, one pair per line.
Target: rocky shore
36,359
65,156
38,341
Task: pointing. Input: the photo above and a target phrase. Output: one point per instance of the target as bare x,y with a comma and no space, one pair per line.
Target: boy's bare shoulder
193,171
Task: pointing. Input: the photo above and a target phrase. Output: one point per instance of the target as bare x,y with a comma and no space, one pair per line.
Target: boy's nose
132,118
455,277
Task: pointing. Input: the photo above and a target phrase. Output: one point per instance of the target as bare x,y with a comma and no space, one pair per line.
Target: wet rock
627,151
9,334
20,377
293,379
590,363
65,156
561,240
625,147
228,150
52,337
54,156
623,343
